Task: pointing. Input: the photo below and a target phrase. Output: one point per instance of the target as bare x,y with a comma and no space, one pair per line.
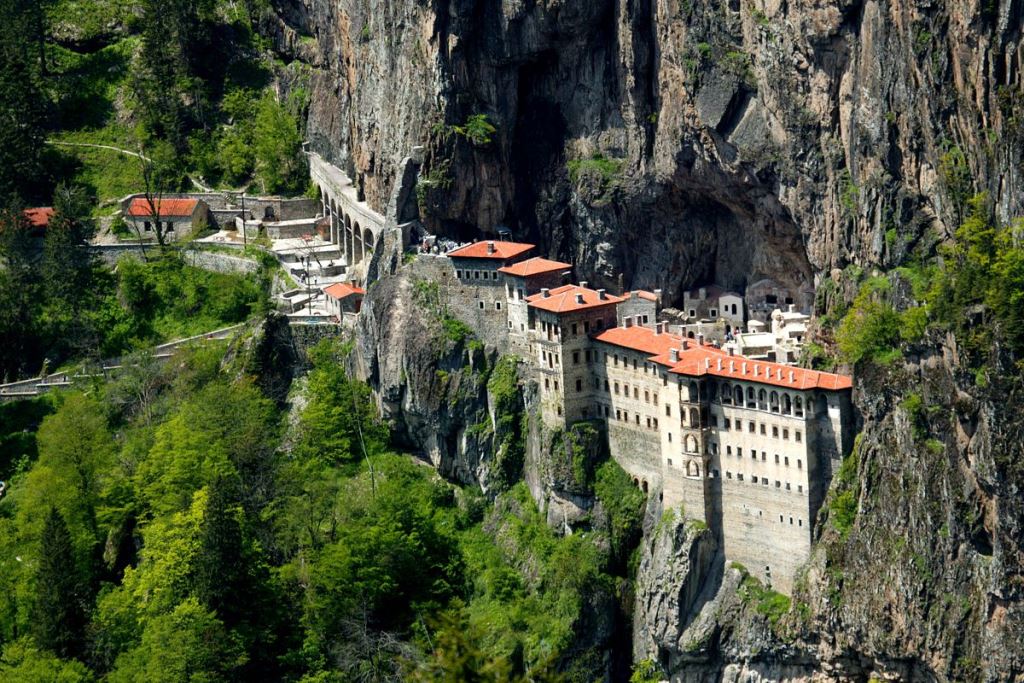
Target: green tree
277,141
58,622
22,103
20,662
222,579
19,296
186,645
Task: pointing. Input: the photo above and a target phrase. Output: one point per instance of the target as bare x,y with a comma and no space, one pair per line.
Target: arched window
751,401
798,407
773,402
726,394
689,468
737,395
696,469
787,406
694,418
691,444
693,392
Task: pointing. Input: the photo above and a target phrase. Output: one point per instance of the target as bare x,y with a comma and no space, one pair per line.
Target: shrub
872,329
478,129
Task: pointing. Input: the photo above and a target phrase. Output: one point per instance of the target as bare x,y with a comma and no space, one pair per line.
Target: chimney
673,355
686,344
732,350
545,292
791,308
707,363
743,365
791,376
755,369
700,340
657,293
490,246
703,292
732,366
779,375
579,297
583,284
601,295
627,321
719,363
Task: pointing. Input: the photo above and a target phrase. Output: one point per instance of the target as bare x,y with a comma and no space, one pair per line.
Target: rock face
674,142
737,140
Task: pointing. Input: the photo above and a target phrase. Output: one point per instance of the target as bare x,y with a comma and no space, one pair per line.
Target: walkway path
29,388
137,155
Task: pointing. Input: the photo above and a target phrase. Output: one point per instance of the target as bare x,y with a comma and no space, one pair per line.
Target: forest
177,524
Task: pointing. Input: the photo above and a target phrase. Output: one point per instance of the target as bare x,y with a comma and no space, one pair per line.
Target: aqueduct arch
355,226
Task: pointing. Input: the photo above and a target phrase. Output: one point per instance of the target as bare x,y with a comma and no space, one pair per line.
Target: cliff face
663,143
738,140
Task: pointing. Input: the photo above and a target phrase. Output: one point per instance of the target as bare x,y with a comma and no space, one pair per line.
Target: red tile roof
642,293
564,299
534,266
501,250
342,290
695,362
165,207
39,217
642,339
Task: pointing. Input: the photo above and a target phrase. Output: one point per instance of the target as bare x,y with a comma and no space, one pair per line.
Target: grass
767,602
606,171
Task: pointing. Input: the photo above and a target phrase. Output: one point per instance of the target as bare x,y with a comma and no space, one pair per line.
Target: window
785,434
636,393
655,399
728,474
645,320
575,357
670,462
764,481
775,431
714,420
668,410
788,487
780,518
693,313
791,521
776,458
670,437
728,450
586,326
616,360
625,390
727,424
637,416
647,396
606,385
574,332
798,435
714,312
648,422
739,476
458,274
751,427
753,479
497,305
579,385
543,355
753,454
787,461
778,484
559,411
481,305
739,452
476,274
714,474
762,429
655,420
764,456
799,488
799,464
547,383
618,414
616,388
800,522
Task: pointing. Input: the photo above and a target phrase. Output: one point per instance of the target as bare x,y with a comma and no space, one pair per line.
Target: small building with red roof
523,279
640,305
343,298
176,216
38,219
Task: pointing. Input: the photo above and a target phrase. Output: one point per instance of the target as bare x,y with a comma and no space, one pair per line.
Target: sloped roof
39,216
642,339
534,266
171,208
564,299
501,250
642,293
342,290
695,362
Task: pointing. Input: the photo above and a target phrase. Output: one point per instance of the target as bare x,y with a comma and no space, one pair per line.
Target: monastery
747,446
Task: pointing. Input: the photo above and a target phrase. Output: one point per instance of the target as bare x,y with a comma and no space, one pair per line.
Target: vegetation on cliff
189,531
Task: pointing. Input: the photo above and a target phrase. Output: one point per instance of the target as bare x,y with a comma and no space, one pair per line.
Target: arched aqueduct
354,226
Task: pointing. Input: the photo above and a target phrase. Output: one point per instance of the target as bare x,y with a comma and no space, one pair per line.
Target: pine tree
221,573
58,622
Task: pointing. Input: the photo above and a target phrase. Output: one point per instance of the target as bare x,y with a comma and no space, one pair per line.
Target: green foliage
455,330
767,602
478,129
842,505
277,144
23,662
872,329
624,504
58,622
504,391
19,421
604,172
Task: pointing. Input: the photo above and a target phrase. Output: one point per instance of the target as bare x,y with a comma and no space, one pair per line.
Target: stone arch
737,395
762,399
798,406
773,402
347,239
690,444
725,392
643,486
357,239
332,209
694,417
787,405
367,240
689,468
751,401
636,482
693,391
